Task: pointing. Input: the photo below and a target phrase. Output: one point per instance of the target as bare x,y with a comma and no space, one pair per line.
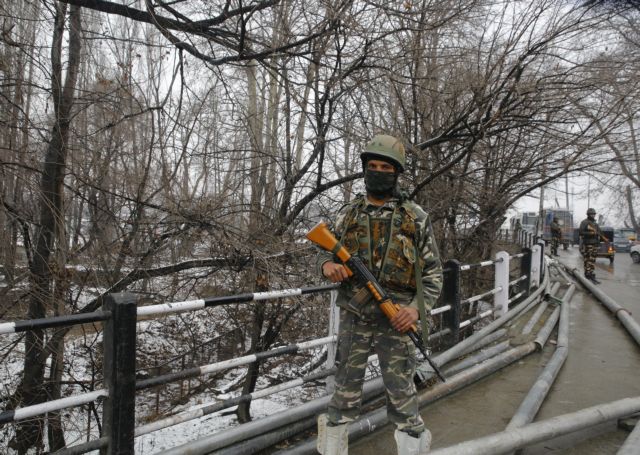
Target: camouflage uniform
590,234
390,240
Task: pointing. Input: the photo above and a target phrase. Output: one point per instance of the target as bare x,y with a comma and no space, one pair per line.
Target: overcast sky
580,199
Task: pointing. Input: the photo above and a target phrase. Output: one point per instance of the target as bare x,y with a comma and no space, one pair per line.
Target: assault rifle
322,236
599,234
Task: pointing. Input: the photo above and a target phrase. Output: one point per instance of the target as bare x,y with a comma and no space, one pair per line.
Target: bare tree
51,225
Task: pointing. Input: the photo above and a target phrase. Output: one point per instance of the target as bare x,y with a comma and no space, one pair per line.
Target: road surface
603,365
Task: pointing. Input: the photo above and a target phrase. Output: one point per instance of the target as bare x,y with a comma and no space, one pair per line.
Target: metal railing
120,315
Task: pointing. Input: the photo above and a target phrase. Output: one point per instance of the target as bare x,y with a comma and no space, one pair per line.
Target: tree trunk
632,214
32,390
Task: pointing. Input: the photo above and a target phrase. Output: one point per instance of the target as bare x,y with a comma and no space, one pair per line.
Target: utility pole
540,222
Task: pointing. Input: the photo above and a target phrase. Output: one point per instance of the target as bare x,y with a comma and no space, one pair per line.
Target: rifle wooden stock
324,238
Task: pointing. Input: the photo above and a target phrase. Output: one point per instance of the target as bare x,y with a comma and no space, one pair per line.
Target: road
603,365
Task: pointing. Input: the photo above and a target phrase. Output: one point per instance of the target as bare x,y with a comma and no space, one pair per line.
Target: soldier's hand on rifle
404,319
334,272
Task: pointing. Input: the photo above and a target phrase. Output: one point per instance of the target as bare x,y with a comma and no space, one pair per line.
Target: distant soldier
556,236
590,234
516,231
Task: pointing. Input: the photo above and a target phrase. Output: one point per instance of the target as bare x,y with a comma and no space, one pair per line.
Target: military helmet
591,211
387,148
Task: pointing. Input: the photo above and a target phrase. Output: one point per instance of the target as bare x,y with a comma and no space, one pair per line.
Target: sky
582,195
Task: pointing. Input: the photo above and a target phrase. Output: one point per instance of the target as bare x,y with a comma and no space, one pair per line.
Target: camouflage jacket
590,232
556,230
391,240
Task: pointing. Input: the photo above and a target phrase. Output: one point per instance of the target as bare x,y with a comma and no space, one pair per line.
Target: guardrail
120,315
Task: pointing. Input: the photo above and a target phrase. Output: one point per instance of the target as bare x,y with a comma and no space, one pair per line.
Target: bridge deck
603,365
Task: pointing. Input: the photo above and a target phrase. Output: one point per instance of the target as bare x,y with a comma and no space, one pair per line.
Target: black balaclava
380,184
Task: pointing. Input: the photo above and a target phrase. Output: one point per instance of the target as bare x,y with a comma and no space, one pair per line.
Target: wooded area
181,149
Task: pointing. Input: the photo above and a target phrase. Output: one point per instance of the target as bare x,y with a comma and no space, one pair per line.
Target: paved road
603,365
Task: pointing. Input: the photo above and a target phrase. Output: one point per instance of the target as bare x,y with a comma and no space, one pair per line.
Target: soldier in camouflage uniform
393,237
590,234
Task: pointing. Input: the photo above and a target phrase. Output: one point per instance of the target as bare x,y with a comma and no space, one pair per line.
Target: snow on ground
83,356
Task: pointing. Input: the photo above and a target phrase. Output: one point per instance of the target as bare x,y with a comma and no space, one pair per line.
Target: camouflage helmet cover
387,148
591,211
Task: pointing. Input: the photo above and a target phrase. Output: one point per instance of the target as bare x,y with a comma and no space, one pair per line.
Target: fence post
501,281
451,296
535,266
334,326
119,339
525,269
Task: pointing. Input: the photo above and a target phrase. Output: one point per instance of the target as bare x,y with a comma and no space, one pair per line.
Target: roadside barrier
120,315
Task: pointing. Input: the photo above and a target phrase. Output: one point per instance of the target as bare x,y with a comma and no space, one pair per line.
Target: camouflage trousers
397,357
555,241
589,256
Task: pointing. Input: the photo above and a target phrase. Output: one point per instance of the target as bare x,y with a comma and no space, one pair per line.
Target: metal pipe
631,445
232,363
484,341
49,406
376,419
275,421
563,328
478,265
94,444
554,288
517,280
475,298
210,408
55,321
568,280
257,444
535,317
176,307
371,388
509,440
477,358
455,351
290,416
621,313
538,392
547,328
540,389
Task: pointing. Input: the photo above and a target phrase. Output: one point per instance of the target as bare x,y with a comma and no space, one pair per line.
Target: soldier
590,239
556,236
393,237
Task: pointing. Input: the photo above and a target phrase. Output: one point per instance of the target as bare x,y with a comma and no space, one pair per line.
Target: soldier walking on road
556,236
393,237
590,234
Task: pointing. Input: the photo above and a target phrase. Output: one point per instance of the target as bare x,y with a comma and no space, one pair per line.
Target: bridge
503,333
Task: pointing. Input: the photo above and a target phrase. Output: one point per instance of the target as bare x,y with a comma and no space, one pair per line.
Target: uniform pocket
399,273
